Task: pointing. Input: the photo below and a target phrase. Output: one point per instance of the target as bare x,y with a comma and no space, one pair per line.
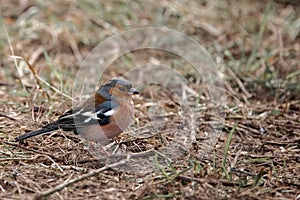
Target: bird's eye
123,89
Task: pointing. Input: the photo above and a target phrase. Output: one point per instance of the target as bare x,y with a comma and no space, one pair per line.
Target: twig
71,167
61,186
289,142
32,150
55,89
8,117
240,84
30,68
210,180
18,159
132,155
39,79
236,157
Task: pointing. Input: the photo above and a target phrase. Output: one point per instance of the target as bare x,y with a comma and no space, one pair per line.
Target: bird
102,116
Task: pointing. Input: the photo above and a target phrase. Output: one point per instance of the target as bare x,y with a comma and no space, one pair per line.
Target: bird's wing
76,118
80,116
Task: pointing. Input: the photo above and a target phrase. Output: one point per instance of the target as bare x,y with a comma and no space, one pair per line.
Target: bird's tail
46,129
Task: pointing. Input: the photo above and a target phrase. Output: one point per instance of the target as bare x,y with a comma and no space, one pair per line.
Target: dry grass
255,45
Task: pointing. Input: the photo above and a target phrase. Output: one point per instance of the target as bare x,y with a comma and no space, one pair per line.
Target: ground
236,137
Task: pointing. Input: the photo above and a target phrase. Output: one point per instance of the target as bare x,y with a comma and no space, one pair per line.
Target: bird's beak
133,91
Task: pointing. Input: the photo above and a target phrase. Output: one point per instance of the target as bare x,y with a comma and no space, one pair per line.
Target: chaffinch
101,117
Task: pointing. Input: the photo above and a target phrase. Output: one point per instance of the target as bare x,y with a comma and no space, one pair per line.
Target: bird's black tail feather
46,129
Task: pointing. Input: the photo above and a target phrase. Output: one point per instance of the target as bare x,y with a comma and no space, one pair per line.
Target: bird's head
117,88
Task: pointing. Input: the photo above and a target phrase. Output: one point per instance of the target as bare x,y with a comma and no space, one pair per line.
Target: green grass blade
226,151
